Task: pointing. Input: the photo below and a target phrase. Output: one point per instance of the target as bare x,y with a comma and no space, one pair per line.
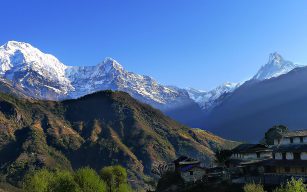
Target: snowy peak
275,67
207,99
16,45
27,66
275,59
16,53
111,64
45,77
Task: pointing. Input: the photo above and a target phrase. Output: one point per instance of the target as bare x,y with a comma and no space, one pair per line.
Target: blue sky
193,43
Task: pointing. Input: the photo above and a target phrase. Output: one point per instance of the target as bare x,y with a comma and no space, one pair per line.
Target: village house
258,163
190,169
249,153
275,164
289,158
291,137
245,163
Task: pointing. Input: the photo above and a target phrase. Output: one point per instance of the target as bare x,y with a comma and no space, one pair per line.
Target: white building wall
304,156
265,154
296,140
285,141
236,156
305,139
289,156
250,156
278,156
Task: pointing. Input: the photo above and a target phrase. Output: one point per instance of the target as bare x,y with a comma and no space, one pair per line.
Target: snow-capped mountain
42,74
207,99
111,75
275,67
45,77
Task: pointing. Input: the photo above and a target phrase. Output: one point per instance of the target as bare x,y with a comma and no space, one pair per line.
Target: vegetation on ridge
111,179
98,130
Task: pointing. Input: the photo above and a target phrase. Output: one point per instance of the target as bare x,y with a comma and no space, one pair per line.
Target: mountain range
45,77
38,75
255,106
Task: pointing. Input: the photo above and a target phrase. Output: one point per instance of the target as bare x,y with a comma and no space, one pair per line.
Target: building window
258,155
291,140
303,169
297,156
287,169
191,172
284,157
301,139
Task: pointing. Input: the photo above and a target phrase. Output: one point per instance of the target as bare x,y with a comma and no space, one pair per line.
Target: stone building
193,174
190,169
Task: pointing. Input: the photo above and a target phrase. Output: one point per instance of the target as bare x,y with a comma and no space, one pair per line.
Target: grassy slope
100,129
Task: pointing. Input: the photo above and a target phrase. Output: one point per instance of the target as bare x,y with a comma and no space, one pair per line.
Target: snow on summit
21,62
47,78
43,76
275,66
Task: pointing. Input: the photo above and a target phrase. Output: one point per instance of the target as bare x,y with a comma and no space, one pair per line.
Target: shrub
115,177
293,186
64,182
252,187
38,181
89,181
125,188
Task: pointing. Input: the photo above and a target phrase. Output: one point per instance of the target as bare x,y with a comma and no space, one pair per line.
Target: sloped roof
242,147
253,162
190,167
296,133
183,160
290,148
245,148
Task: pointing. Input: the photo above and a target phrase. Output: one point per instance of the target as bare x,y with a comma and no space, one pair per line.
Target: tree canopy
274,132
111,179
116,178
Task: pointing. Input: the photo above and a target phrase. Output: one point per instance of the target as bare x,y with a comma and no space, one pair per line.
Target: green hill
100,129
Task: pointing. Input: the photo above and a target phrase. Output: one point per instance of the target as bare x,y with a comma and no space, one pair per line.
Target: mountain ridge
96,130
275,67
42,76
21,62
257,106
